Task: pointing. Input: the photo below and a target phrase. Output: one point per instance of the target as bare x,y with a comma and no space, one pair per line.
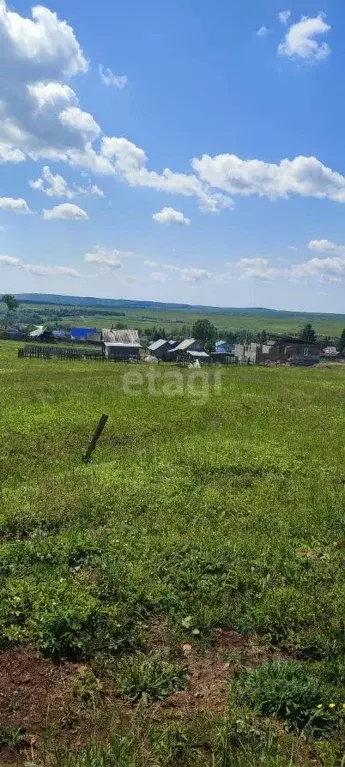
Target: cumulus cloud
284,16
38,54
130,162
331,268
40,118
39,270
10,261
10,154
189,274
305,176
112,259
151,264
170,216
16,205
66,210
262,31
57,186
327,246
108,78
300,42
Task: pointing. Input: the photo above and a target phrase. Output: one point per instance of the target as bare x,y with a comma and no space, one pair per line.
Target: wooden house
188,350
290,350
120,344
160,348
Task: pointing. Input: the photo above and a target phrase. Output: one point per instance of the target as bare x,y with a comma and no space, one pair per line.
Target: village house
82,334
290,350
188,350
224,353
120,344
160,348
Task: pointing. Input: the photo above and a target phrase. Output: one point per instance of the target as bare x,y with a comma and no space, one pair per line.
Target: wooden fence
59,352
66,353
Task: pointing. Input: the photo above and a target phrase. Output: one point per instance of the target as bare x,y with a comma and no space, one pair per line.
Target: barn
188,349
160,348
120,344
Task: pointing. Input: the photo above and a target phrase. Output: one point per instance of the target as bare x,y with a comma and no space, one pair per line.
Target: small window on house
306,351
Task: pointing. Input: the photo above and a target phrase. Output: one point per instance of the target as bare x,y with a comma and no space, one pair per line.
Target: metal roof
157,344
198,354
184,344
37,332
82,332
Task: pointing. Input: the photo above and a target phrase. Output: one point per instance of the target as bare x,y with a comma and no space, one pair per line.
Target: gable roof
124,337
185,344
157,344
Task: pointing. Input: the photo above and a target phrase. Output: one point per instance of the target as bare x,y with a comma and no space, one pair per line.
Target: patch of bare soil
210,672
31,694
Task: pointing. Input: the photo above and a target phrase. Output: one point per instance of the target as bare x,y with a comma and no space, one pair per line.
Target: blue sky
174,151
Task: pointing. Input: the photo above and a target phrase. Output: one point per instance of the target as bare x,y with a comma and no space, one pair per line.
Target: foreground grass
199,513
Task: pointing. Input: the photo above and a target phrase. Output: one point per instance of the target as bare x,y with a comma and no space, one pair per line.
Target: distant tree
263,337
205,332
11,302
341,344
308,334
120,326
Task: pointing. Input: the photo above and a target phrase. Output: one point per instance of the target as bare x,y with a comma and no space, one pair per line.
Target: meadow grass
225,510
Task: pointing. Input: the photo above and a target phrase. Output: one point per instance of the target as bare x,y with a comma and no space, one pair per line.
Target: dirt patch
31,693
210,672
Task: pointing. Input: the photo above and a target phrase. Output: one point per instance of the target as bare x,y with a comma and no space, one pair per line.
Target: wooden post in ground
102,421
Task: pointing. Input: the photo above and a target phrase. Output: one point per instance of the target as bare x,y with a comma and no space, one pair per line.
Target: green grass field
331,325
236,320
190,581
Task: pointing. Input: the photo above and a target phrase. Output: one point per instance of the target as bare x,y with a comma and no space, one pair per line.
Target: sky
189,152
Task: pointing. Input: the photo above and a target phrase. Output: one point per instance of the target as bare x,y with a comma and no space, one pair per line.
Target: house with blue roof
82,334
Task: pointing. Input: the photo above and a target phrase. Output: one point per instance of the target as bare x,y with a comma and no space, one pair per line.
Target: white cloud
262,32
39,270
16,205
151,264
159,277
66,210
108,77
51,94
9,154
170,216
40,118
327,246
56,186
331,268
112,259
129,161
189,274
52,186
93,189
194,275
37,55
81,122
300,42
305,176
10,261
51,271
284,16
